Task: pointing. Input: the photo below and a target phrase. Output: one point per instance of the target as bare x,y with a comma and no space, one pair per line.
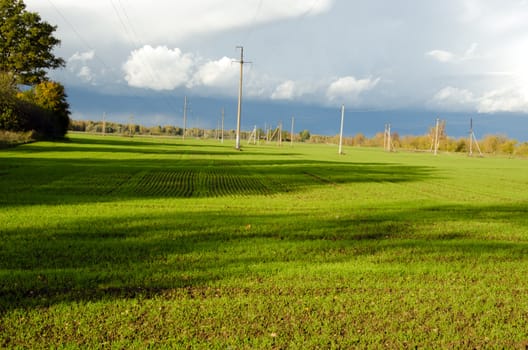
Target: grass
112,242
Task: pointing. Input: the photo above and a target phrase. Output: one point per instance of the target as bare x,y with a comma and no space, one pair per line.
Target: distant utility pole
341,132
472,139
131,125
104,123
293,121
222,137
437,136
184,117
280,133
471,135
239,111
387,138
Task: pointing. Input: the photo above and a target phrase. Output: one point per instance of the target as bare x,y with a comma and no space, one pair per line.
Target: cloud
441,55
86,74
350,88
285,91
219,73
454,99
78,65
178,20
82,56
504,100
494,101
158,68
450,57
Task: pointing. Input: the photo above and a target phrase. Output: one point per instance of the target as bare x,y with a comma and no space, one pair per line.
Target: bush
42,109
10,138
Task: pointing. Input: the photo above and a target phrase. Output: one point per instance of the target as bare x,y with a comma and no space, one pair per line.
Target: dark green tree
304,135
26,43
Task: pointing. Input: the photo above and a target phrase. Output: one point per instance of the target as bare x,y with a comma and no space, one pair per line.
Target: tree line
489,144
131,129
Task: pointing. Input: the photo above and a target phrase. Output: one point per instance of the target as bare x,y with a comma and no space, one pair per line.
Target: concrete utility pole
341,132
293,121
280,133
222,137
239,111
385,138
389,141
473,139
437,127
471,136
184,117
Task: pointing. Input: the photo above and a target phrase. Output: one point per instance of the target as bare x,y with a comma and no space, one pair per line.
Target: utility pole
385,138
341,132
222,137
239,111
293,121
184,117
104,123
389,141
471,139
471,136
436,141
280,133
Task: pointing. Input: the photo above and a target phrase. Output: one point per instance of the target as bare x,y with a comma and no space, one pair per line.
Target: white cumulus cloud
158,68
219,73
450,57
494,101
349,88
504,100
285,91
454,99
86,74
82,56
441,55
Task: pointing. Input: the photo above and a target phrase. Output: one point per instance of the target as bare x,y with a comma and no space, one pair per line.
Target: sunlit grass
118,242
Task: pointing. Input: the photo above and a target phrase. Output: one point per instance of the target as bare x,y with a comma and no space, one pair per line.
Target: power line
116,11
79,36
310,10
253,22
134,39
134,33
130,34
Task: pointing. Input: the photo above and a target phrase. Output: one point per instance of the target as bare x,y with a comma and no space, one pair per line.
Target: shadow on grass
143,146
53,180
90,260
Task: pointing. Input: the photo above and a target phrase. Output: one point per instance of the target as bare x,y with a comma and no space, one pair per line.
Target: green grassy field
113,242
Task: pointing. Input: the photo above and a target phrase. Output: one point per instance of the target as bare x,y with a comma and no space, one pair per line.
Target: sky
452,57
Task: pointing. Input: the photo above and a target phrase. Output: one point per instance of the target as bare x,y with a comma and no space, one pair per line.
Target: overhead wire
310,10
129,33
253,22
79,36
134,39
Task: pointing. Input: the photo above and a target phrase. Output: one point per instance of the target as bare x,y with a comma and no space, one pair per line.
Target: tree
359,139
26,43
304,135
508,146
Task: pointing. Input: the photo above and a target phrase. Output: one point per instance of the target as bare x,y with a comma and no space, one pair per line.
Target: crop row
198,183
77,184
